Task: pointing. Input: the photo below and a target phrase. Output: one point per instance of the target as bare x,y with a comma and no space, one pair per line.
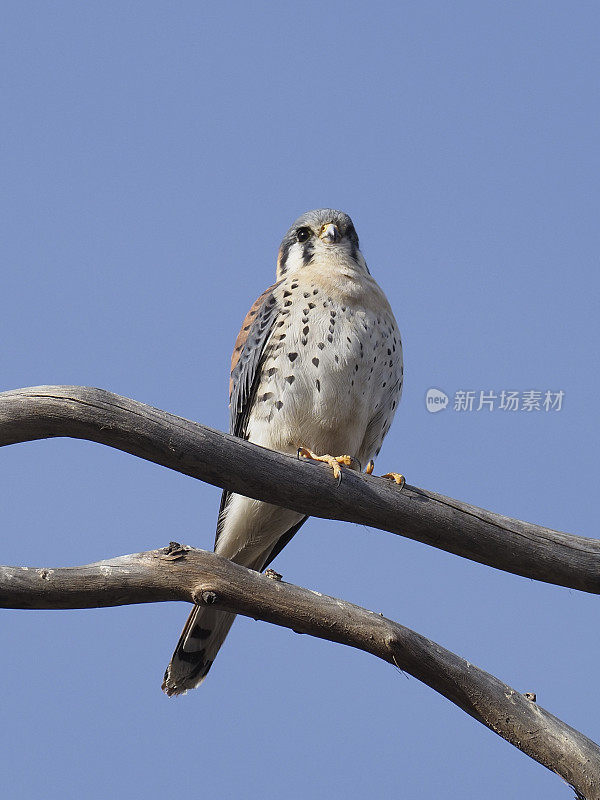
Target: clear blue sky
153,154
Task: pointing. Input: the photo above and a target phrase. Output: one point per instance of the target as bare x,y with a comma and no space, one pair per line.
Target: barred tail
200,641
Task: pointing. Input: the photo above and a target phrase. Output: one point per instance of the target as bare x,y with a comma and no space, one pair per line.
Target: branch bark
193,449
182,573
178,573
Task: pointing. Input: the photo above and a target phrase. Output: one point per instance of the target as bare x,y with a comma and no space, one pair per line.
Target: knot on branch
174,551
205,596
394,646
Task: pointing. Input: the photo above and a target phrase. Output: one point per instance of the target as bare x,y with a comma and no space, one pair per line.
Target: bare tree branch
179,444
178,573
181,573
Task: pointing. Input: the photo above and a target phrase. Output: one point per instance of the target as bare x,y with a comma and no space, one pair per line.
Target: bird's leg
333,461
395,476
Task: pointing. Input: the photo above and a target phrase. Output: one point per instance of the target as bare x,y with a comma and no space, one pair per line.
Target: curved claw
333,461
395,476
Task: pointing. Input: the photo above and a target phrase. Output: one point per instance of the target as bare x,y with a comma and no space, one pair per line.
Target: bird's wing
247,357
246,362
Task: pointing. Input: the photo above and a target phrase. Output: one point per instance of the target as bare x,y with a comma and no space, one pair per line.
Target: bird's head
317,236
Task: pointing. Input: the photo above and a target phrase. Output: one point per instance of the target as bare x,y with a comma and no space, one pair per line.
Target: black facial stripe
308,250
283,256
353,236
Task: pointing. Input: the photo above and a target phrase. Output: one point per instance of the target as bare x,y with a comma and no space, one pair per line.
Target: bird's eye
302,234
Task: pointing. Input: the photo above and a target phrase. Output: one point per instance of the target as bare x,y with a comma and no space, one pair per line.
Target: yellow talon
333,461
370,467
395,476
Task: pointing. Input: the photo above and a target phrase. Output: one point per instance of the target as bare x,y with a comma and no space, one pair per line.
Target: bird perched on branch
316,370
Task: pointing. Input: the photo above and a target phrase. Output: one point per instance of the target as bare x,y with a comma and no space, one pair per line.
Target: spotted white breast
331,372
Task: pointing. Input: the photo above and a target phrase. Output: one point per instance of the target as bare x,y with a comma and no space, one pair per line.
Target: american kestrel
316,371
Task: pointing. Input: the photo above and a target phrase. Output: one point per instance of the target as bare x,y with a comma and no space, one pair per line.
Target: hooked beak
330,233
